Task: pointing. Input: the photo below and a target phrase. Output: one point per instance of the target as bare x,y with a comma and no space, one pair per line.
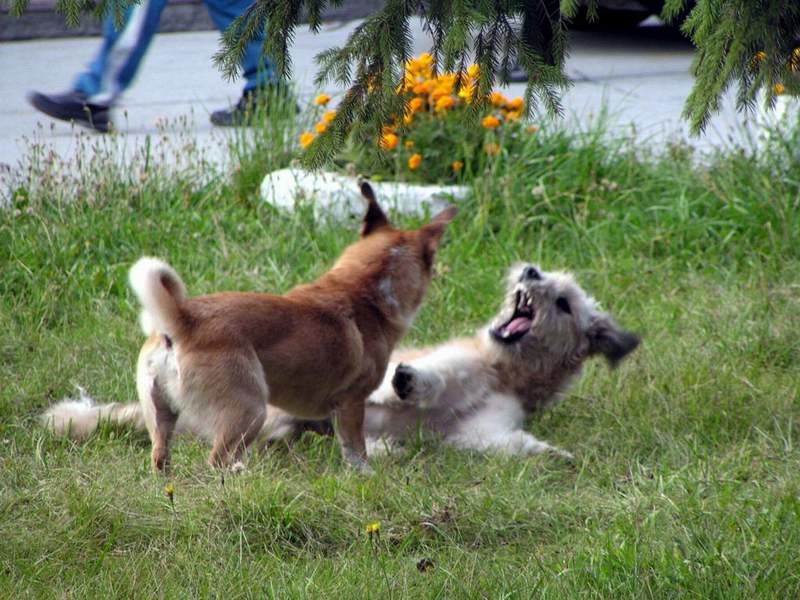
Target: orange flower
473,71
388,141
322,100
532,128
408,119
457,165
440,92
408,144
490,122
516,103
760,55
420,66
466,93
447,80
778,88
497,99
321,127
492,149
425,59
421,88
416,104
414,161
444,103
306,138
512,115
328,116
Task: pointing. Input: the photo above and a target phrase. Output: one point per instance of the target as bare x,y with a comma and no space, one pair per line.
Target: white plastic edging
339,195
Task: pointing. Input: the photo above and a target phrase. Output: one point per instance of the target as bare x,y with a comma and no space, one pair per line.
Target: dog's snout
530,273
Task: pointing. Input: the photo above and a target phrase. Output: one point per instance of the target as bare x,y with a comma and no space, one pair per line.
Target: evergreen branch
743,43
728,34
672,10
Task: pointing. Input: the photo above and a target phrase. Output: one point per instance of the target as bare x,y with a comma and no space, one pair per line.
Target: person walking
95,91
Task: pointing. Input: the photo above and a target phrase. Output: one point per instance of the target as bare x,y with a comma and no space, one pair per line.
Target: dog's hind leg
161,426
496,428
522,443
510,443
238,425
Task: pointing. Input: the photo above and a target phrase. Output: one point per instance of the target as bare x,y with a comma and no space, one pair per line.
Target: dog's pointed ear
613,342
432,232
374,217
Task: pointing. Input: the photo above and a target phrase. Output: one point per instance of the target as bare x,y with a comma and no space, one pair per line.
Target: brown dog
212,363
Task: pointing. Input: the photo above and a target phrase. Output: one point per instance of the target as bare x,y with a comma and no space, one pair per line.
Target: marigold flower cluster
321,126
437,94
429,99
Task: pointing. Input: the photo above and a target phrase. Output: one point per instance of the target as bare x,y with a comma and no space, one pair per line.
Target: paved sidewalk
643,78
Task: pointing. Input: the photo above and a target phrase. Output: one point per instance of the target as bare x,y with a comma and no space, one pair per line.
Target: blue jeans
121,53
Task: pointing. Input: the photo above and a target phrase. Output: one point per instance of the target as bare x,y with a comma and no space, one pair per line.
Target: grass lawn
687,477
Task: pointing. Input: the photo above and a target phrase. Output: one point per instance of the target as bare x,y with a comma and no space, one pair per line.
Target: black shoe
250,104
72,106
517,74
240,114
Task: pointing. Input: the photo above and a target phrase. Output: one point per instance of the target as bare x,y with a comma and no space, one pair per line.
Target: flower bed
435,140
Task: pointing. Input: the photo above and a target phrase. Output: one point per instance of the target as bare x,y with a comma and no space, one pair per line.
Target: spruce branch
371,63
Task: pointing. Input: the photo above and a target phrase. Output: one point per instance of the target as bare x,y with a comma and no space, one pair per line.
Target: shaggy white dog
476,393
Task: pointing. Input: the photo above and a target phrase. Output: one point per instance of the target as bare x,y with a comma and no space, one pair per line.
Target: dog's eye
563,305
530,273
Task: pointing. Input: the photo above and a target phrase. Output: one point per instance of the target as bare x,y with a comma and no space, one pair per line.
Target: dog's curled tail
78,419
160,292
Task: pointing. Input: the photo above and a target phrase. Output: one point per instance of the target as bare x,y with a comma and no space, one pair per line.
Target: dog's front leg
349,420
405,384
417,385
385,394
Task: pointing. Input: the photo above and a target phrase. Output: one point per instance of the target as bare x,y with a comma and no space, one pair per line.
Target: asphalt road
641,77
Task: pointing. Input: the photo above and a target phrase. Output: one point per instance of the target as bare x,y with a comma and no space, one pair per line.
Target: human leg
262,84
109,73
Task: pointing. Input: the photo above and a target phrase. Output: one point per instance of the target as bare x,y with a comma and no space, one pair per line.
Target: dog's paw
568,456
159,460
403,381
356,461
384,446
563,454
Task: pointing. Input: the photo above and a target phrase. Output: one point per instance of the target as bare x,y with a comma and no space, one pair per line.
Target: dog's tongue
516,325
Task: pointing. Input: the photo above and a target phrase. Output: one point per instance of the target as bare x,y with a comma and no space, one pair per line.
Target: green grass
686,482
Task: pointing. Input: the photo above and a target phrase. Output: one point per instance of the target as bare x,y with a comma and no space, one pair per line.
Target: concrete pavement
642,77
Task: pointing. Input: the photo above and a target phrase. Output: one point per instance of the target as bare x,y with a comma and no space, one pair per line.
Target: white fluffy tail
78,419
161,292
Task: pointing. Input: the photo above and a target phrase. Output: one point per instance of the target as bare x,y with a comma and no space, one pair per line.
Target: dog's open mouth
520,322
